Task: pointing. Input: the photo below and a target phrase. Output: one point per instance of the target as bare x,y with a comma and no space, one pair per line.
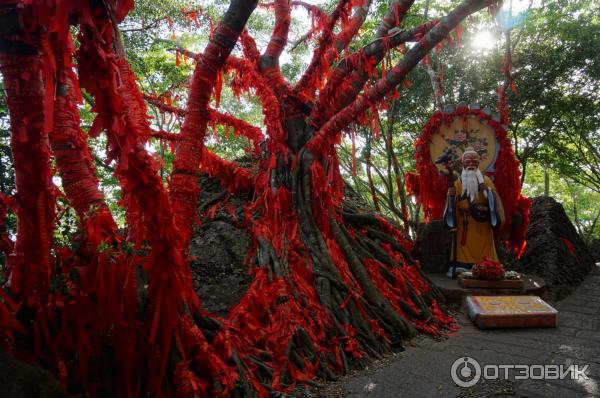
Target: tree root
389,317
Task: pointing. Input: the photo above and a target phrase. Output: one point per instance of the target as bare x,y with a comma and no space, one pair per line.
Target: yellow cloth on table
475,239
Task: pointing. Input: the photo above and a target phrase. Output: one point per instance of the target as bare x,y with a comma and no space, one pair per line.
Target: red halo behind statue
470,126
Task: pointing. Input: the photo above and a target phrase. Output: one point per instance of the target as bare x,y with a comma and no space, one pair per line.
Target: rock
219,247
554,250
594,247
434,246
220,277
21,380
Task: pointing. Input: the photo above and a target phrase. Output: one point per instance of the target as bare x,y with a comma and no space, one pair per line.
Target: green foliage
555,114
7,183
7,175
580,202
555,123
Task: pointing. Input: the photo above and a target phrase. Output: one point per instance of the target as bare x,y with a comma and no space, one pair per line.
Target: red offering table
489,312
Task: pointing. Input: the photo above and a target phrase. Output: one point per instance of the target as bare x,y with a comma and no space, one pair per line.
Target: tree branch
183,189
241,127
179,48
249,48
313,71
269,61
154,23
343,39
326,136
352,72
235,178
393,17
250,77
279,37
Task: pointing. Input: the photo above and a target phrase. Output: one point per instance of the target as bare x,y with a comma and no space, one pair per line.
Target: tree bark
29,264
184,184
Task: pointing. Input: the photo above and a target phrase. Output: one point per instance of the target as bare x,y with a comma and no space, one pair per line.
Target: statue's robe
474,239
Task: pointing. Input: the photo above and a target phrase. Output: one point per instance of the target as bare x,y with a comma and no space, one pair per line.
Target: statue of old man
473,211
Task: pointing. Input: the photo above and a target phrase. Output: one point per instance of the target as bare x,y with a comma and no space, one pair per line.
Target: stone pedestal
434,246
491,312
456,294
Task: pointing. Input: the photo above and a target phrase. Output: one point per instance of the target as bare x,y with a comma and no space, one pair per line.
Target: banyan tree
115,313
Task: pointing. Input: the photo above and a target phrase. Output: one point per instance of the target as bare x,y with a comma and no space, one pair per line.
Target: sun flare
483,40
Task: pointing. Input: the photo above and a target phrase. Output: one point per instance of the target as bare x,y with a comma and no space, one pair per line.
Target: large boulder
554,250
219,248
218,252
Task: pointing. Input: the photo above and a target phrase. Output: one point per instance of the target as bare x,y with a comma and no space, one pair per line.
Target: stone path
423,370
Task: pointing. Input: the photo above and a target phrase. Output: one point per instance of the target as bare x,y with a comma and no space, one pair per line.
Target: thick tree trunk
369,176
29,264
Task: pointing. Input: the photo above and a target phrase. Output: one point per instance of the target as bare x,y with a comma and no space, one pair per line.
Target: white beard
470,183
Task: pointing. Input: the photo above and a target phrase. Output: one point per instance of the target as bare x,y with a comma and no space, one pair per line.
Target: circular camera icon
465,372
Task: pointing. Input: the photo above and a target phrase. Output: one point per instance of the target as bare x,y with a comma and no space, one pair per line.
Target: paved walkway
424,369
